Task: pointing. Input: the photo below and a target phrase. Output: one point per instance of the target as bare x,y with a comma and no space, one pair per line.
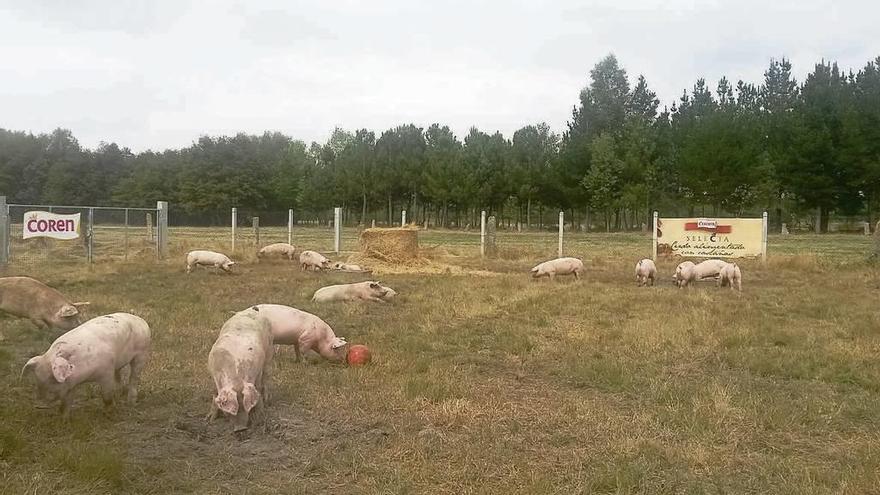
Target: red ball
358,355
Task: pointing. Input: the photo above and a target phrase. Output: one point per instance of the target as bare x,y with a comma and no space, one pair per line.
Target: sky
159,74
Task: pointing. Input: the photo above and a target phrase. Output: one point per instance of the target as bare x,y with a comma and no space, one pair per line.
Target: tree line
803,151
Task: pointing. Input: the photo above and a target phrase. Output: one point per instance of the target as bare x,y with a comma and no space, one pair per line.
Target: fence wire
106,235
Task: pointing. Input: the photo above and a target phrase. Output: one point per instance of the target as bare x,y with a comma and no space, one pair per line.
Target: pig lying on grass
95,351
239,363
559,266
304,331
361,291
46,307
348,267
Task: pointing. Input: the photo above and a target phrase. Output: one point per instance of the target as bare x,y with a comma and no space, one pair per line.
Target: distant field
483,381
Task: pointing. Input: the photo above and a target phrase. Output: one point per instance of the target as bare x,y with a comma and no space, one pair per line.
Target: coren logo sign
45,224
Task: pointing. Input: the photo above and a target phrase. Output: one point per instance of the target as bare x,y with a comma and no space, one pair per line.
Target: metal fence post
561,225
255,222
290,226
234,223
125,256
654,238
403,218
337,229
162,229
4,231
764,237
91,235
483,233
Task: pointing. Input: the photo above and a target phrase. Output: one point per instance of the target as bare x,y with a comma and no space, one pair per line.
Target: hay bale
390,245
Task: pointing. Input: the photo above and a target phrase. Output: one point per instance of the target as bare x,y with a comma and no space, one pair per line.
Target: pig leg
134,378
552,276
297,351
108,389
577,275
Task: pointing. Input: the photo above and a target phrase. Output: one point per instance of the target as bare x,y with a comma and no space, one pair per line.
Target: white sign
45,224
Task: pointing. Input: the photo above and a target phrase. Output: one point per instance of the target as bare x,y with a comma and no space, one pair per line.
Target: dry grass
486,384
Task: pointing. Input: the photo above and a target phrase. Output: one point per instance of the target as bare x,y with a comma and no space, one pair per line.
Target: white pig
239,363
208,258
44,306
685,274
559,266
731,275
646,272
95,351
310,260
347,267
709,269
304,331
361,291
282,249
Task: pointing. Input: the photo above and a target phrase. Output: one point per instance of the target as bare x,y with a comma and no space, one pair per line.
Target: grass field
483,381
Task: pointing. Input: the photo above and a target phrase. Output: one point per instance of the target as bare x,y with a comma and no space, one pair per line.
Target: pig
304,331
685,274
559,266
95,351
281,249
239,363
646,272
361,291
348,267
208,258
709,269
310,260
731,276
44,306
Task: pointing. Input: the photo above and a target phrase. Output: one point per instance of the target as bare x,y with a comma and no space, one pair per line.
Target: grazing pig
310,260
559,266
281,249
348,267
208,258
304,331
239,363
646,272
709,269
46,307
731,275
685,274
361,291
95,351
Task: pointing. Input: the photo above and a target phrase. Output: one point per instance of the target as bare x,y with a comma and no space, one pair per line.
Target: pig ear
67,311
31,364
61,369
337,343
78,304
375,285
249,396
227,401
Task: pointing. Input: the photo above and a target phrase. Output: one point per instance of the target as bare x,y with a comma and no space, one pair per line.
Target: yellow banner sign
711,237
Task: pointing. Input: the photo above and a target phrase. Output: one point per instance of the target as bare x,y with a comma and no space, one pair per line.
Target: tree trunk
529,213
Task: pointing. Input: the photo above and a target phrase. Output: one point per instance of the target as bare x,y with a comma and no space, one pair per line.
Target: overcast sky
157,74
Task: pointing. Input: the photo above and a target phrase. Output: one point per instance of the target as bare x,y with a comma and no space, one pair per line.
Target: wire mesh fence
103,234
